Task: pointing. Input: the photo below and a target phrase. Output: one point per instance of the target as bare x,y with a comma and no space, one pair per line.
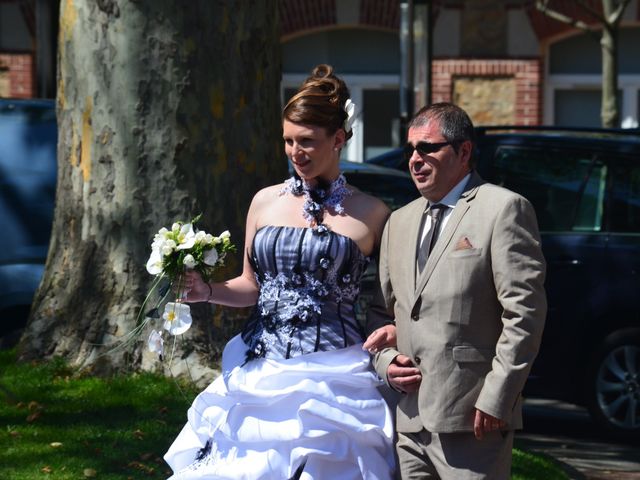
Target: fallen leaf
46,469
14,433
55,444
33,406
33,417
138,434
89,472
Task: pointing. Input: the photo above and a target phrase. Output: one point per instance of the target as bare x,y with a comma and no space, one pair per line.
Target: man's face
436,173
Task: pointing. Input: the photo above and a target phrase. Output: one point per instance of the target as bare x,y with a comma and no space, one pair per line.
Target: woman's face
312,152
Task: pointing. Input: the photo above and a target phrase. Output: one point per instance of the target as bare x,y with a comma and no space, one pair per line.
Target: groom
462,272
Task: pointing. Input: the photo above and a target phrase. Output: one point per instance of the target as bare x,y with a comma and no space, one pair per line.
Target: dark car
585,187
28,140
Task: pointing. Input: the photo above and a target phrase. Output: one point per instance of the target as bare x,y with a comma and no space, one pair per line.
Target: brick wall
16,70
526,74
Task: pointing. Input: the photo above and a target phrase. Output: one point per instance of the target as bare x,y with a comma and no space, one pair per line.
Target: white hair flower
350,110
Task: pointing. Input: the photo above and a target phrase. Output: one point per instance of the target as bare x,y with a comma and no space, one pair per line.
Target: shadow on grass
70,427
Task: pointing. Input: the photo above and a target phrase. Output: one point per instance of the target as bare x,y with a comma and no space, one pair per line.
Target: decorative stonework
526,76
487,100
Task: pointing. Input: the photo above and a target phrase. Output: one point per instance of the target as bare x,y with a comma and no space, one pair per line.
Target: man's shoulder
491,192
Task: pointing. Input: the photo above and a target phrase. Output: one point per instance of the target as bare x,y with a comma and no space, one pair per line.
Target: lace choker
317,199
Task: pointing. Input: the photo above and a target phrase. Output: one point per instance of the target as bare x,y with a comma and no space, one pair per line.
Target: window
624,210
566,188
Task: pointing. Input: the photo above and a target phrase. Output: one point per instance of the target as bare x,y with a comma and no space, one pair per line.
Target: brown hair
319,101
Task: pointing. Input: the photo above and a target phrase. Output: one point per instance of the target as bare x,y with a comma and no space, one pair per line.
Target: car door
567,187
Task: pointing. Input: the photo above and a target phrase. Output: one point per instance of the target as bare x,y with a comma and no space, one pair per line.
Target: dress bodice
309,281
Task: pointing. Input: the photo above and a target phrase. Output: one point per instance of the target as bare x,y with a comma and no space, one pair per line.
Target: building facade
503,61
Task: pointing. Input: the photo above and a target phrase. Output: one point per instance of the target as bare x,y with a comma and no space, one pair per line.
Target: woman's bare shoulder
268,194
373,205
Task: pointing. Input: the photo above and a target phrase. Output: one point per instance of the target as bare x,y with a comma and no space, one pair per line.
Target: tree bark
609,113
166,109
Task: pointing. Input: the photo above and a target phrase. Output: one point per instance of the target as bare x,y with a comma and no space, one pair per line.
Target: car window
27,179
567,188
624,211
395,191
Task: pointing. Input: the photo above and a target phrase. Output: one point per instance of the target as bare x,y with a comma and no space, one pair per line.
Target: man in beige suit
469,315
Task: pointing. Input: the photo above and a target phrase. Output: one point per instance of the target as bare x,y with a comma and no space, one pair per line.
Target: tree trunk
609,42
166,109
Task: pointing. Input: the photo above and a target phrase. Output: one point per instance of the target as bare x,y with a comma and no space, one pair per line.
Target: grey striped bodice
309,281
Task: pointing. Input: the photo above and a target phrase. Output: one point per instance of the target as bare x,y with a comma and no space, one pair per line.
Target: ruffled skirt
317,416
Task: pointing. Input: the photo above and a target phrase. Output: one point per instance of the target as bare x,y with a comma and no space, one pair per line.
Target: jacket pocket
467,252
467,353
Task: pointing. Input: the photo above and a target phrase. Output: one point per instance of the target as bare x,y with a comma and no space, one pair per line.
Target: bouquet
172,252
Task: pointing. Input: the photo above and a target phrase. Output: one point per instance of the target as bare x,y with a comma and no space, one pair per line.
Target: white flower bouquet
173,251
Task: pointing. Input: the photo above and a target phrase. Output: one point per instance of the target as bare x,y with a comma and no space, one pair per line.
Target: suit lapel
409,241
460,210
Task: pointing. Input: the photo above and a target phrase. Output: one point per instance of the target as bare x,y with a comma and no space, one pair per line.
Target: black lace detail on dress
204,451
309,282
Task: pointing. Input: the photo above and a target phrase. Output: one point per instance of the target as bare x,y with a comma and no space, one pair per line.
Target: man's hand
381,338
485,423
403,375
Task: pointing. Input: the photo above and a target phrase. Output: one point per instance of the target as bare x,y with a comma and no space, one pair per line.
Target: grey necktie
435,212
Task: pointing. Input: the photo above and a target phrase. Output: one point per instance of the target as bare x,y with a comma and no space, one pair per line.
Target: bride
297,397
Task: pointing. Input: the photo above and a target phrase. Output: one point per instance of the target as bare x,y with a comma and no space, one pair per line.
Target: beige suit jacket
473,320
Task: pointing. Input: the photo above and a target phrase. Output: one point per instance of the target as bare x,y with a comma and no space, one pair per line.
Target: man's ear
465,150
339,139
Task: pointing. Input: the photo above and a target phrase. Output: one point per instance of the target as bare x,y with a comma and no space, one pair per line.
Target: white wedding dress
297,397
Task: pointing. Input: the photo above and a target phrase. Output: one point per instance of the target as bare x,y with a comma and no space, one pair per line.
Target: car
28,138
585,187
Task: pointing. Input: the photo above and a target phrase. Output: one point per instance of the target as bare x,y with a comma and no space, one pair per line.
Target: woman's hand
381,338
193,289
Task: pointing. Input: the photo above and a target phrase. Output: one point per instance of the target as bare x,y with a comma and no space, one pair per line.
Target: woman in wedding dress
297,397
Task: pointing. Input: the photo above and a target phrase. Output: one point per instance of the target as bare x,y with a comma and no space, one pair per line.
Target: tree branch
542,6
616,15
600,18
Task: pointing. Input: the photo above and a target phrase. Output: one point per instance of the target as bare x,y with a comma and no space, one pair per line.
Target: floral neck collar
318,198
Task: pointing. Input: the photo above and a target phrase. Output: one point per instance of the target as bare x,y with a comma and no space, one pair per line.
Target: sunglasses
424,148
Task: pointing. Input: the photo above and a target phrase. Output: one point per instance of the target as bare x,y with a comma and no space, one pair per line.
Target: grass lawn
59,426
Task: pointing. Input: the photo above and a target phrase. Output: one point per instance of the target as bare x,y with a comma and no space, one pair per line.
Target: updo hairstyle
320,101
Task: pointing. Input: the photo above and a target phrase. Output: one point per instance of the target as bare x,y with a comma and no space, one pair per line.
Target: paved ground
566,433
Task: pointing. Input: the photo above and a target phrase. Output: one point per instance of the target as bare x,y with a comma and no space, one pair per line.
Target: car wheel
614,393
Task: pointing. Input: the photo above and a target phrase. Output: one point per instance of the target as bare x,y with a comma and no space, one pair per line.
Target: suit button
417,359
415,317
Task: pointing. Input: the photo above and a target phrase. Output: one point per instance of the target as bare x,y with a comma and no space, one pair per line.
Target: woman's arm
241,291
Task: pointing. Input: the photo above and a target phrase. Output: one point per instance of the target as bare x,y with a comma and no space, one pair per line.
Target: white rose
189,261
225,234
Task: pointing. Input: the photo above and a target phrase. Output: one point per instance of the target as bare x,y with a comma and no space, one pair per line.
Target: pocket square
463,244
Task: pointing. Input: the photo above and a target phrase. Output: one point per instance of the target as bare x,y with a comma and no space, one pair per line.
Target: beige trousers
454,456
